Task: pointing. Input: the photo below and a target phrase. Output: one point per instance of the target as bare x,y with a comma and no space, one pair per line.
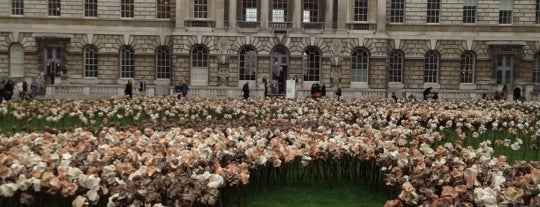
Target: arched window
163,63
247,63
536,72
90,61
360,65
312,64
16,60
395,67
468,66
127,62
431,67
199,65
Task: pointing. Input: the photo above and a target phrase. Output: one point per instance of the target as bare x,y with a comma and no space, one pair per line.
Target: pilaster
232,14
180,18
328,15
297,15
264,13
381,16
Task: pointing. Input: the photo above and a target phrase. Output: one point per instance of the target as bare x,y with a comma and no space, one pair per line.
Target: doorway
53,64
280,70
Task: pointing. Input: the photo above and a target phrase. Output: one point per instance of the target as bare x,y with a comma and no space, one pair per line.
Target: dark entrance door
280,70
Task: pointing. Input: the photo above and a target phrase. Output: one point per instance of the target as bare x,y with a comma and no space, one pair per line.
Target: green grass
315,195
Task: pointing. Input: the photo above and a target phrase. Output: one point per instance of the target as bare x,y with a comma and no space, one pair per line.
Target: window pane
248,63
360,65
54,7
433,9
163,60
17,7
90,61
395,67
397,11
312,63
431,67
127,8
90,8
163,9
127,62
360,10
468,64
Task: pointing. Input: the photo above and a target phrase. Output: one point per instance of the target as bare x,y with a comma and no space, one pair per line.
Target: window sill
467,86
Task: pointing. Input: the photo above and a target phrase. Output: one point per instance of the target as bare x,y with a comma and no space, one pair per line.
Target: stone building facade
461,48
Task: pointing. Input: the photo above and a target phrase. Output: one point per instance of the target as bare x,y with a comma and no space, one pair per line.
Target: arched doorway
280,70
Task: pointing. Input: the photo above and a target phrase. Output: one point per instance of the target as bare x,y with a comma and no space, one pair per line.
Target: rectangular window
360,10
469,11
127,8
433,11
54,7
251,15
163,9
278,15
17,7
90,8
536,74
200,9
249,10
505,11
128,63
397,11
537,11
279,11
311,11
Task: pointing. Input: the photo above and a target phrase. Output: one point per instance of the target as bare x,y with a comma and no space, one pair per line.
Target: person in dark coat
245,90
517,93
427,93
184,89
338,93
129,90
24,90
394,96
142,87
8,90
323,90
2,84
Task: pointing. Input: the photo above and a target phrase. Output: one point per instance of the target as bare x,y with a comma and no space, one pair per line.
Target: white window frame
431,67
90,61
127,62
17,7
360,65
468,67
16,60
163,63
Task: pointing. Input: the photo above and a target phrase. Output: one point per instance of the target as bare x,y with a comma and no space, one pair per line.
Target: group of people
503,95
128,90
317,90
10,90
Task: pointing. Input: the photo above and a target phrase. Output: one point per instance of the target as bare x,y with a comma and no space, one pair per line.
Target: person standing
142,87
2,91
394,96
184,89
517,94
245,90
8,90
504,92
427,93
338,93
129,90
24,90
323,90
34,87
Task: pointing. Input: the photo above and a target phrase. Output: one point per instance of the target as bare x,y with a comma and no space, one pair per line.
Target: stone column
342,14
328,15
180,16
297,15
381,16
232,14
219,9
264,13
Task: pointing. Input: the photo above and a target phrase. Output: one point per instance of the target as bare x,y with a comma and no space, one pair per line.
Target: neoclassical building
461,48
